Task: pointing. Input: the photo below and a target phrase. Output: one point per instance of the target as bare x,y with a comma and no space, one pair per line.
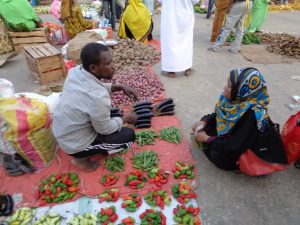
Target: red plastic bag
252,165
69,64
58,35
290,136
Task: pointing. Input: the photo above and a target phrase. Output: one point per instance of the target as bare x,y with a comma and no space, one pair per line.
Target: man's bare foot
188,72
86,164
171,74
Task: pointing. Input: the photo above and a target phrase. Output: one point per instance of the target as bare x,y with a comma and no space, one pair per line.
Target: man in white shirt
81,122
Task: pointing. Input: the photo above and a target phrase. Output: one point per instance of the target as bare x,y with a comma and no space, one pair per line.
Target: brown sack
76,44
5,41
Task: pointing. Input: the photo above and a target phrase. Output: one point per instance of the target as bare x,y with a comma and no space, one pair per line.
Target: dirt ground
225,198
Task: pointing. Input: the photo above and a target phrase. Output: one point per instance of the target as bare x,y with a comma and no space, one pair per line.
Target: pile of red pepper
131,202
158,177
109,180
152,217
183,170
186,215
127,221
107,216
135,180
183,192
158,198
110,195
57,188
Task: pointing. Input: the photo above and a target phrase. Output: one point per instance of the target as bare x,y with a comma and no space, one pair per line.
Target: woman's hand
197,124
202,136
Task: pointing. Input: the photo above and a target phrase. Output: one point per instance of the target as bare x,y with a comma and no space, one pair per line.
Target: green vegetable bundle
145,160
248,38
171,134
115,163
145,137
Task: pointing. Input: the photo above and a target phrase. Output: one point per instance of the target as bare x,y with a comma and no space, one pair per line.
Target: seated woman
240,122
73,19
18,15
136,22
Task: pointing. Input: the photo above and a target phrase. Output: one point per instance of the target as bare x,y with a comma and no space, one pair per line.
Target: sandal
22,163
6,205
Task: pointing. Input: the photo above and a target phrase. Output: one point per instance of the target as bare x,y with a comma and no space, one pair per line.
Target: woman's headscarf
137,18
248,91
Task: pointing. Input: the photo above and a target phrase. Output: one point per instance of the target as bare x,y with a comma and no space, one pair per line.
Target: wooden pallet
46,63
22,39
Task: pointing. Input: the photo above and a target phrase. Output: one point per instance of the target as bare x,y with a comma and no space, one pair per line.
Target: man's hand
130,118
130,92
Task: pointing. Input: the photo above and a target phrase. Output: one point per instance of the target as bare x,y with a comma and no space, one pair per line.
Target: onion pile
147,85
129,54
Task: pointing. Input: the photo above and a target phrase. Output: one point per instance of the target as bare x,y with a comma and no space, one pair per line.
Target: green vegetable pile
171,134
145,160
115,163
145,137
248,38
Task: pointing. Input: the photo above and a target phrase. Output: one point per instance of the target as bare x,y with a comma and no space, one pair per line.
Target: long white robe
177,25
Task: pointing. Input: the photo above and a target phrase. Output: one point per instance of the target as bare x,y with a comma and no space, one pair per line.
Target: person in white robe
177,25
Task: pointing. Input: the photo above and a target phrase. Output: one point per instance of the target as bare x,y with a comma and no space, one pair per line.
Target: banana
15,216
27,221
53,215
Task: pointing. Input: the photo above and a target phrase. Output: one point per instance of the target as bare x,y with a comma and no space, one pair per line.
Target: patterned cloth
248,91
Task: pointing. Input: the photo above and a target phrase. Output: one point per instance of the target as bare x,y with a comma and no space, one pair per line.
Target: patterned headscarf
248,91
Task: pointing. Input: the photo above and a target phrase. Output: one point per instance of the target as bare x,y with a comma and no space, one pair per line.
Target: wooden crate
46,63
22,39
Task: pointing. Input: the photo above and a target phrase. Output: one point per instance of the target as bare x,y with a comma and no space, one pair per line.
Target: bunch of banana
289,7
22,216
86,219
49,219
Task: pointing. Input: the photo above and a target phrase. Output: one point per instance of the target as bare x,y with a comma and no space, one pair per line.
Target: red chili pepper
73,189
134,182
58,176
196,212
102,212
109,212
65,179
42,203
113,218
69,183
105,223
143,215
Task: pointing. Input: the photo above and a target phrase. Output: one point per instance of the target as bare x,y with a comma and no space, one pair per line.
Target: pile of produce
87,218
145,160
186,215
248,38
198,9
288,7
109,180
144,112
22,216
58,188
145,137
282,44
107,215
131,202
158,198
183,192
129,54
183,170
152,217
127,221
115,163
49,219
135,180
147,85
42,9
158,177
171,134
109,195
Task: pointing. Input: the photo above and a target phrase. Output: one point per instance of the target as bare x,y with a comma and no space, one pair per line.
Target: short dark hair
90,54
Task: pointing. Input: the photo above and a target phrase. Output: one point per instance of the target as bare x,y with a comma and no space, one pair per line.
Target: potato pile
147,85
129,54
282,44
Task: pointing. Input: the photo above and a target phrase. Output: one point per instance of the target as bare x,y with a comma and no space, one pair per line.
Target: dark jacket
224,151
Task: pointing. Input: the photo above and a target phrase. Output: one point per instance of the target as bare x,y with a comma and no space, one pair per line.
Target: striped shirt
83,111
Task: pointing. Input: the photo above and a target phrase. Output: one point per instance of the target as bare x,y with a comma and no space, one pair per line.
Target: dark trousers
210,7
109,12
118,12
109,144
